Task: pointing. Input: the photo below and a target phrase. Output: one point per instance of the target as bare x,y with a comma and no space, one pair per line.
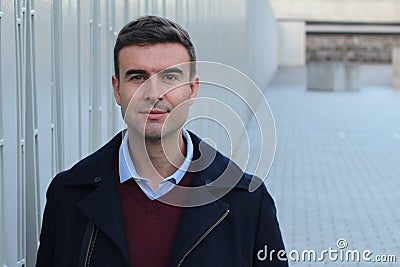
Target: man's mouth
154,114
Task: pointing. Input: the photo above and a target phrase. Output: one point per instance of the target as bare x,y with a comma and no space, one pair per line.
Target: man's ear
194,88
115,85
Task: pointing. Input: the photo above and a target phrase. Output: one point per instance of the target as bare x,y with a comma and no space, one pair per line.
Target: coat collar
209,166
214,169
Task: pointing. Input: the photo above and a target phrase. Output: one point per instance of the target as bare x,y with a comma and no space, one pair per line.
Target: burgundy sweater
150,225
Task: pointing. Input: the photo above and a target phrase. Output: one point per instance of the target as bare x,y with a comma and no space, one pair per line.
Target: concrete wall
291,39
375,48
386,11
327,17
56,102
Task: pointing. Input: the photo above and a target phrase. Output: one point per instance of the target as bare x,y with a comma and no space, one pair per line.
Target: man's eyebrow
135,71
171,70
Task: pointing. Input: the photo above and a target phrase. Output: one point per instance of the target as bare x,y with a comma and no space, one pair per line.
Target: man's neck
156,159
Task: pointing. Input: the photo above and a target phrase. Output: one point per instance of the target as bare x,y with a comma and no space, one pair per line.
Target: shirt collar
127,169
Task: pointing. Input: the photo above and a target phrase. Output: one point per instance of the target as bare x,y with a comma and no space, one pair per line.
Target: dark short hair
148,30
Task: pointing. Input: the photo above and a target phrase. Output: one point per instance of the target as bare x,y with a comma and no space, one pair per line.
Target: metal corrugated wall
55,87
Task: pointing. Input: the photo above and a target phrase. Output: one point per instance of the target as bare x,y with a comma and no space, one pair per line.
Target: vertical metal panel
126,10
20,15
79,76
1,82
146,7
188,6
27,190
84,55
154,7
112,108
170,9
120,17
119,23
3,243
43,85
70,96
178,11
163,4
139,8
57,87
31,141
95,92
10,145
105,69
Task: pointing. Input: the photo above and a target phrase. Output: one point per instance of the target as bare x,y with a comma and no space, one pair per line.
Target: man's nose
152,89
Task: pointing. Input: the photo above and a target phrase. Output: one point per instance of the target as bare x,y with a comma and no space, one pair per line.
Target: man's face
154,89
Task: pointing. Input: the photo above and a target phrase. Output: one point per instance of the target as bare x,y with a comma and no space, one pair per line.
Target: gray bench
333,76
396,67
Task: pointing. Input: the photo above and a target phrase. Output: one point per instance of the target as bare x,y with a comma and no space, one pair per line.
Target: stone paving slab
336,173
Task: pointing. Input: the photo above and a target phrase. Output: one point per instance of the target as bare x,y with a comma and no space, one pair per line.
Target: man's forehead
154,58
169,52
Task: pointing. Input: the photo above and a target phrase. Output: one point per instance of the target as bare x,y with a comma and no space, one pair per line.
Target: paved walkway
336,172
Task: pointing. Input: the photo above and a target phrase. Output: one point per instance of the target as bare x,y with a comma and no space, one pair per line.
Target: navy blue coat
83,223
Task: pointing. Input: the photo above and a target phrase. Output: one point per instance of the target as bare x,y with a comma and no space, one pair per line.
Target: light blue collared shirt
127,169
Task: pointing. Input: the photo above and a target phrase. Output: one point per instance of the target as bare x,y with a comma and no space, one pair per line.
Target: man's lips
154,114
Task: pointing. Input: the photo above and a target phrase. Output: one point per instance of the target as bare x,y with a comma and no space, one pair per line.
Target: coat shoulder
88,169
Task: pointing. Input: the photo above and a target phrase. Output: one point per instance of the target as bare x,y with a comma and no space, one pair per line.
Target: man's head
155,78
150,30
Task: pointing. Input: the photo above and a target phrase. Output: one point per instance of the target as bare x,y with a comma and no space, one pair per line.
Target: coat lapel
102,206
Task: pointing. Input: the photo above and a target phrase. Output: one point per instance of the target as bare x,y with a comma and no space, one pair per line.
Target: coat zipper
203,236
88,245
93,238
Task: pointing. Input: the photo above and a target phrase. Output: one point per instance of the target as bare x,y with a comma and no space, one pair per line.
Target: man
131,203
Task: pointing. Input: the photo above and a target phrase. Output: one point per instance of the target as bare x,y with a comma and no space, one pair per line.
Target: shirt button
97,179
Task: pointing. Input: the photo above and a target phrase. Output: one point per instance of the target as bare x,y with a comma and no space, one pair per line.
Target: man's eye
137,78
170,77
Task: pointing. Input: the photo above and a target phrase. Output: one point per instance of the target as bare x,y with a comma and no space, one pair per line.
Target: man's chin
153,136
157,135
152,133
